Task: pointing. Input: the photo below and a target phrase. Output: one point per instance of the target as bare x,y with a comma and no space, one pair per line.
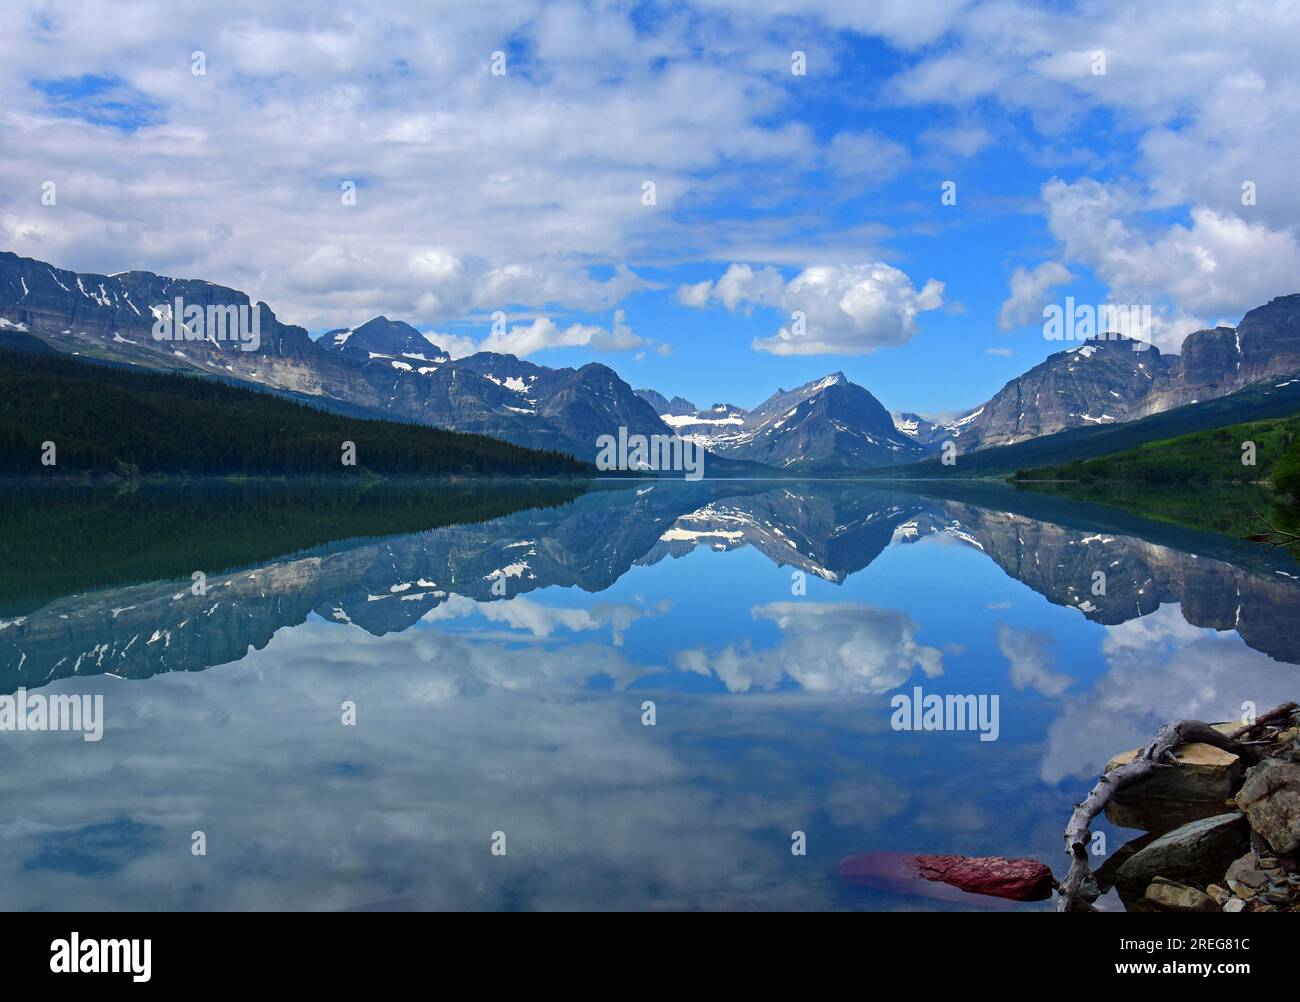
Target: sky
717,199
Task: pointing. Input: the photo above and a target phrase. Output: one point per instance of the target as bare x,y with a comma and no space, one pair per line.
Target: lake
631,697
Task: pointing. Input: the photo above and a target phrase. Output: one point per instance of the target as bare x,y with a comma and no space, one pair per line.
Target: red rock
995,876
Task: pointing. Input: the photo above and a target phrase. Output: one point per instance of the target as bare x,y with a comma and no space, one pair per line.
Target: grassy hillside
1254,403
1201,458
107,420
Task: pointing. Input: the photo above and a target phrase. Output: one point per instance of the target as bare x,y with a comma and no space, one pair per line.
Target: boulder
1173,896
1205,773
1271,799
1196,853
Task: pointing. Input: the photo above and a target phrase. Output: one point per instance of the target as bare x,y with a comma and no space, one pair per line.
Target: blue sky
216,145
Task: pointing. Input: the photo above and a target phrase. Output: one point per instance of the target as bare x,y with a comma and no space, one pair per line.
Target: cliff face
1099,382
1105,381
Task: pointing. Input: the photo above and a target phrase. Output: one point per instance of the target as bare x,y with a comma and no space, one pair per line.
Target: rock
1271,799
1196,853
1104,875
995,876
1235,905
1199,788
1220,895
1173,896
1244,876
1205,773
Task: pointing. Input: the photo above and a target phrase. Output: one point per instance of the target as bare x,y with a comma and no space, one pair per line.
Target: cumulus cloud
543,333
1029,290
848,310
523,613
825,647
1193,275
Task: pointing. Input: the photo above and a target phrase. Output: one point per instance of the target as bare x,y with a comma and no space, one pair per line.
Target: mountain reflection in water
499,665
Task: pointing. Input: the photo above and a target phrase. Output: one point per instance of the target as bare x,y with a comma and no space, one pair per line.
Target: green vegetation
1286,474
1201,458
1231,511
106,420
66,540
1196,480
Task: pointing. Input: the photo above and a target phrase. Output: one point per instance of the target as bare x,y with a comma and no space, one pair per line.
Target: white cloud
1030,655
543,333
1029,293
844,647
474,192
695,295
959,140
865,156
523,613
846,309
1196,275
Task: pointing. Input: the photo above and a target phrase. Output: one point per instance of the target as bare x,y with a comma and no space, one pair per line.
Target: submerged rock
994,876
1271,799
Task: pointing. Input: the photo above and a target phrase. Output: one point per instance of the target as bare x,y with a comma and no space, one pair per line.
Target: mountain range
387,368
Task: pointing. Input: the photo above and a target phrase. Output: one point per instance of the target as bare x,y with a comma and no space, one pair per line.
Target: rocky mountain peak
381,338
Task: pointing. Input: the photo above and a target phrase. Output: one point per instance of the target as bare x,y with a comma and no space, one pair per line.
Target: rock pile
1228,832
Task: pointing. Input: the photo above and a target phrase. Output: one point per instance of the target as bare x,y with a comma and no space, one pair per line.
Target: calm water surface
499,669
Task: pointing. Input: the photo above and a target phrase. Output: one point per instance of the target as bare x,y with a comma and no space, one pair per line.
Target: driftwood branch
1079,886
1273,716
1275,537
